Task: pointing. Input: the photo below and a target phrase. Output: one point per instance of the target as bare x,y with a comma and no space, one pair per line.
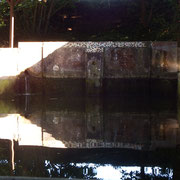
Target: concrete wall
90,68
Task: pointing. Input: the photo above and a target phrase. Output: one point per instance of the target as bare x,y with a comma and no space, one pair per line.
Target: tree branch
9,2
150,14
17,1
48,16
143,13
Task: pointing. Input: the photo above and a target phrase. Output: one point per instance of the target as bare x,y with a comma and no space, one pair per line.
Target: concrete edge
33,178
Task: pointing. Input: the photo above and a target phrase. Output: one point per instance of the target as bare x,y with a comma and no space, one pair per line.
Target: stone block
65,63
127,62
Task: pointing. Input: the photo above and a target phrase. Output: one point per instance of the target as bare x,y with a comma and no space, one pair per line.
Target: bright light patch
33,52
69,29
8,62
18,128
108,172
15,60
8,127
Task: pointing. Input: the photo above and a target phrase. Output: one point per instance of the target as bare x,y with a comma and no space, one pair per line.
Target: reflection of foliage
164,171
7,86
5,168
128,176
69,170
7,107
163,175
32,165
83,171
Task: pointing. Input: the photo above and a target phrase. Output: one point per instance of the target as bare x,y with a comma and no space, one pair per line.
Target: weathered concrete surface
95,68
127,62
65,63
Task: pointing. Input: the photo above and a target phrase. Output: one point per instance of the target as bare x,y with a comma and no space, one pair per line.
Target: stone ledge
32,178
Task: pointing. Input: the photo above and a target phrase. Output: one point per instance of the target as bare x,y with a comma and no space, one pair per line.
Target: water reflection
127,138
24,132
107,171
90,123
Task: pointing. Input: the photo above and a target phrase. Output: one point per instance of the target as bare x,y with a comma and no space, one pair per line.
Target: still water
90,138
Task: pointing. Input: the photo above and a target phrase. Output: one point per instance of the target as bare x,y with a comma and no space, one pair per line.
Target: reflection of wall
73,129
20,129
90,122
66,125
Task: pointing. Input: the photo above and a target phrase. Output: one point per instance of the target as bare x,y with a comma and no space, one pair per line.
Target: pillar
94,73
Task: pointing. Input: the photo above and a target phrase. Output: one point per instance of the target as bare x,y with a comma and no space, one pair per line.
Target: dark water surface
91,138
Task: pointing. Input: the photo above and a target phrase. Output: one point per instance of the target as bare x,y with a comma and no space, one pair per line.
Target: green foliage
7,107
6,85
137,20
34,16
4,13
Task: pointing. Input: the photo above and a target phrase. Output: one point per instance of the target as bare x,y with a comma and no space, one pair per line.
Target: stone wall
93,68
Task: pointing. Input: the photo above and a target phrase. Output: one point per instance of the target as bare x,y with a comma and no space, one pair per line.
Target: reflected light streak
12,155
12,33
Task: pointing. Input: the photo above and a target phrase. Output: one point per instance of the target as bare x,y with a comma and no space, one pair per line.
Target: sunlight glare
18,128
13,61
